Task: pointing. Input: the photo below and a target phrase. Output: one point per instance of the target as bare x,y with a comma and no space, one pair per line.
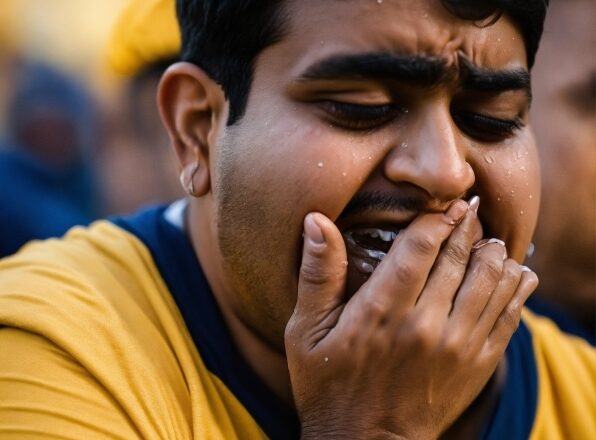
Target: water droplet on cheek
530,197
320,164
379,1
404,145
521,213
344,174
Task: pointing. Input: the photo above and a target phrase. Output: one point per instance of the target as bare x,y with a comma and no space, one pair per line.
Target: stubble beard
250,255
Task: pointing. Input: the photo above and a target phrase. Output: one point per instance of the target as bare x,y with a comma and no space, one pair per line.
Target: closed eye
358,117
486,128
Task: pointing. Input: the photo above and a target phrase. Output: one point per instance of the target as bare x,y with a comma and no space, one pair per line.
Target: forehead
320,28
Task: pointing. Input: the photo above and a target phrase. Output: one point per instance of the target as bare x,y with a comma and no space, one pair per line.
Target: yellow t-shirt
105,334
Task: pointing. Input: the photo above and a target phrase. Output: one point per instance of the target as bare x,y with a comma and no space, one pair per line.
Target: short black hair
224,37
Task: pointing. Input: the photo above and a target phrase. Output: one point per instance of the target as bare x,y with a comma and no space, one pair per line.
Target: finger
499,299
508,320
399,279
450,267
321,281
481,280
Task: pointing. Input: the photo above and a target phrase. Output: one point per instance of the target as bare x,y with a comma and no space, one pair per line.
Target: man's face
371,113
563,115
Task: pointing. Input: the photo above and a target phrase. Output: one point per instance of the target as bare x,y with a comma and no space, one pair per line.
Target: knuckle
453,347
291,331
532,280
424,335
492,267
423,244
457,253
510,317
374,310
312,273
405,274
511,271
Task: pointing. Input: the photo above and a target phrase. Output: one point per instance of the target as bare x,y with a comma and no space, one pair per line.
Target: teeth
388,236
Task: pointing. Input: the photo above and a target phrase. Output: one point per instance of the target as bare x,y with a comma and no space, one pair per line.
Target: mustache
378,201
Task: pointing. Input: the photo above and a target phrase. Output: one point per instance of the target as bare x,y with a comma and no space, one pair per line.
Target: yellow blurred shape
145,32
8,33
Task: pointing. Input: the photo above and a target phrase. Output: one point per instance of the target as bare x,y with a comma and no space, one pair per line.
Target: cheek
508,181
307,166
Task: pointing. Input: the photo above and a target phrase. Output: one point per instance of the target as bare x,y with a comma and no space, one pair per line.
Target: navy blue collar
513,418
174,256
177,263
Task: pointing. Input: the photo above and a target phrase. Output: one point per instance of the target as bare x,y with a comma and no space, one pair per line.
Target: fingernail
474,203
525,269
312,230
485,241
480,244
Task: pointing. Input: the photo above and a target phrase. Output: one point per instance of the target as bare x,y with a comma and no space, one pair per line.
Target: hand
409,352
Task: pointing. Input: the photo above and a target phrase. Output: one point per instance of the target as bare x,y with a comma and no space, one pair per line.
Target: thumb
322,278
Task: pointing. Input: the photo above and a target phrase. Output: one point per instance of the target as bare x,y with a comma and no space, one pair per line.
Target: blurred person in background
563,115
136,164
47,182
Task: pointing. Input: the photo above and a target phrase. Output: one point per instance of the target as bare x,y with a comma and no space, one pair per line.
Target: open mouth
367,246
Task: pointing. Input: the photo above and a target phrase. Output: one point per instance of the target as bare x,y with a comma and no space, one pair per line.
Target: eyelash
487,128
359,117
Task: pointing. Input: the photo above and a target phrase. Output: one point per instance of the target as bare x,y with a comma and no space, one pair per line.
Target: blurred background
78,119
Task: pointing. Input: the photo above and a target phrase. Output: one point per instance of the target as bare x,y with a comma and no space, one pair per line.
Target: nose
430,153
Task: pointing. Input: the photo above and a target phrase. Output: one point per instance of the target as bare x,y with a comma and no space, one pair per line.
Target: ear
193,110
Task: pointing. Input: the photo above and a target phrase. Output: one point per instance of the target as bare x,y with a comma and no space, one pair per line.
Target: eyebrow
418,70
495,81
415,69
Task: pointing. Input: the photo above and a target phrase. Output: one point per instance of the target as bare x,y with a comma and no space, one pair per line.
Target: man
563,116
339,271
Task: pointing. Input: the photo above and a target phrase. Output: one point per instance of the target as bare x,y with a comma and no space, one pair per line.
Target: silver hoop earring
187,178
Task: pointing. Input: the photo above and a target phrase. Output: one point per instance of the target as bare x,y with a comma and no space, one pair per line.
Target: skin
563,114
256,182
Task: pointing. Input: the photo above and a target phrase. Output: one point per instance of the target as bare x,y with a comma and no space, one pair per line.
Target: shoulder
87,268
96,284
97,298
566,368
